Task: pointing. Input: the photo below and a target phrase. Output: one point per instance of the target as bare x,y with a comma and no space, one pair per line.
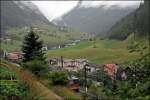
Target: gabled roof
14,56
110,66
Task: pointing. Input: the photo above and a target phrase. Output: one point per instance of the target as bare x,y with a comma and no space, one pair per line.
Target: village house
111,70
68,64
92,67
74,65
14,56
52,61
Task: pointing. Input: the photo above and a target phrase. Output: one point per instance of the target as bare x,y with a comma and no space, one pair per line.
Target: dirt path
38,88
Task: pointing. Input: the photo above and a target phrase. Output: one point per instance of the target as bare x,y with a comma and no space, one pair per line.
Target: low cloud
55,9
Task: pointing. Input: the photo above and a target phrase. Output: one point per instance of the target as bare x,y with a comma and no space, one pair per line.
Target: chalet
111,70
92,67
14,56
53,61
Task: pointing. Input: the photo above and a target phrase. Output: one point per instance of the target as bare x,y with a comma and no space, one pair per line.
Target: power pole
85,76
62,62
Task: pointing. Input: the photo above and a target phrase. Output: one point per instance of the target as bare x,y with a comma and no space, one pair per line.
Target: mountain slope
93,19
136,22
20,13
42,91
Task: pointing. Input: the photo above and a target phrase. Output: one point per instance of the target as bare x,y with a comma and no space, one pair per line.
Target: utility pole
62,62
85,76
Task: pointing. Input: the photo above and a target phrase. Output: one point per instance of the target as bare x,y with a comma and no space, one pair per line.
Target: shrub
6,74
13,90
38,67
59,78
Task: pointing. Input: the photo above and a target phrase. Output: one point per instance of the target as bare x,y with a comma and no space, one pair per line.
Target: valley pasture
106,51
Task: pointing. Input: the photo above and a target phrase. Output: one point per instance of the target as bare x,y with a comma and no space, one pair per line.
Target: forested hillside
94,19
136,22
20,14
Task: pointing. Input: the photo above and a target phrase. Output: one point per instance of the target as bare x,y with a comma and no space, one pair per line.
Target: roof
94,65
13,56
110,66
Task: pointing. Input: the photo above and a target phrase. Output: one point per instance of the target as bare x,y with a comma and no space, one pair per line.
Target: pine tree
33,55
32,47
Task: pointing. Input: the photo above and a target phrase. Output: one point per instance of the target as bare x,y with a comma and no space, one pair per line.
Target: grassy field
106,51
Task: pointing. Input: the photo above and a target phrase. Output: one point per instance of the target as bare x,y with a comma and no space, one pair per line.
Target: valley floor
105,51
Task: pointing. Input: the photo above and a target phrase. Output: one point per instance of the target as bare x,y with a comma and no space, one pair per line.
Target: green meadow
106,51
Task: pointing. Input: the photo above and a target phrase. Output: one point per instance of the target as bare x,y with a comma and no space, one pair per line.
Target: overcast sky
55,9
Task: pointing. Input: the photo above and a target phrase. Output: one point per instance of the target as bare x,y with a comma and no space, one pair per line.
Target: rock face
20,13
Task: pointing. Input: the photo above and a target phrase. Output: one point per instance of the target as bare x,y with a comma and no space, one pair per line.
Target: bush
38,67
5,74
13,90
59,78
